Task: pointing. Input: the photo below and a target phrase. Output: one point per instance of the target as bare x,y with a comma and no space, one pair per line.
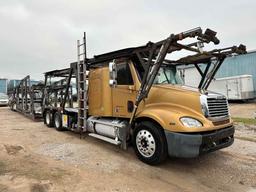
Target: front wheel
149,143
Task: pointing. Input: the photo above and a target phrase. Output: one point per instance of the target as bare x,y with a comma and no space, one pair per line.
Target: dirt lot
39,159
244,110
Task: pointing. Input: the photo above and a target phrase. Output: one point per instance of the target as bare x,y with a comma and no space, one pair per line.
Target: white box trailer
235,87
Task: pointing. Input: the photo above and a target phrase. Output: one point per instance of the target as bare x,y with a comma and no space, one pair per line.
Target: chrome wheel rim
47,118
145,143
57,123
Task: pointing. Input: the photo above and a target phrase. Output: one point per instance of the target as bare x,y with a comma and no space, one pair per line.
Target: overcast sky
38,36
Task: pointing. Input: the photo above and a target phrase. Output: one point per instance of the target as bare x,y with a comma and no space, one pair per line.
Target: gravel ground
244,110
36,158
246,132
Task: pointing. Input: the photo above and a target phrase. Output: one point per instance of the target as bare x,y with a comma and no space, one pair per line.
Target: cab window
124,76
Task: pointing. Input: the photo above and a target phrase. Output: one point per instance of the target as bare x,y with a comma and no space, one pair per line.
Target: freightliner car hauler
135,95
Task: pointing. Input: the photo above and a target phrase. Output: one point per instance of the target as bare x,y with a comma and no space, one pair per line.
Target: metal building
232,66
239,65
3,85
12,83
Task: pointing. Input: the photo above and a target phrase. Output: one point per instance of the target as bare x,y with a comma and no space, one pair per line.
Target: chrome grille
218,107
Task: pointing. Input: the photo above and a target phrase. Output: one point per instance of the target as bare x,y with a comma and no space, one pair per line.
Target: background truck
135,95
27,99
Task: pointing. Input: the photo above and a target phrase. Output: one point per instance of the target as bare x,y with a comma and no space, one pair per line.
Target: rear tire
14,107
149,143
48,119
58,122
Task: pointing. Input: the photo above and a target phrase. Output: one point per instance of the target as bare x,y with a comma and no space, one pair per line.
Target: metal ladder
82,84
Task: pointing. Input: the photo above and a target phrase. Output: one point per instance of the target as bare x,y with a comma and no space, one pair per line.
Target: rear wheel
48,119
58,122
14,107
149,143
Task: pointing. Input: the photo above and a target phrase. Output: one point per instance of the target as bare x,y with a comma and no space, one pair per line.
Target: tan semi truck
136,95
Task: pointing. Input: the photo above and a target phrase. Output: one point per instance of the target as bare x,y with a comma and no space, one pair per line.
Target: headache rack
57,92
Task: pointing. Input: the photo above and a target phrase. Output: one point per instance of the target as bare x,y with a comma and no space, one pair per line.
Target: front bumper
3,103
193,144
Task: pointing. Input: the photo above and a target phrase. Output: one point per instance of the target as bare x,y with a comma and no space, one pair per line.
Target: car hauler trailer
135,95
27,99
59,93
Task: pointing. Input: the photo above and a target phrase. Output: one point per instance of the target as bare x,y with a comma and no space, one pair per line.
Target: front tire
58,122
150,143
48,119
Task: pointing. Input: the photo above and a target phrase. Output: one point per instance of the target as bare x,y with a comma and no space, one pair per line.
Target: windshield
168,75
3,96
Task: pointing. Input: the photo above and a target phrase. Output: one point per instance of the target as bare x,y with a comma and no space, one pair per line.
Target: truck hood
177,96
180,98
186,89
179,88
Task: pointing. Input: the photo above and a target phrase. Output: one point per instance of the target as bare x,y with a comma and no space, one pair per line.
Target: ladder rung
80,54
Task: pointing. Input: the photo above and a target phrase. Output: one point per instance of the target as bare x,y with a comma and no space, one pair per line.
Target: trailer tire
48,119
58,122
149,143
14,107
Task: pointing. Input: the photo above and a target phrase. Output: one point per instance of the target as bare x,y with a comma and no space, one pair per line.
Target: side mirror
112,74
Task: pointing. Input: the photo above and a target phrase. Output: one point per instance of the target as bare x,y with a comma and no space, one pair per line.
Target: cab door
124,93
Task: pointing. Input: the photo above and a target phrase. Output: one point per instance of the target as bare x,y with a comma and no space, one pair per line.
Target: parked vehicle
235,87
3,99
136,95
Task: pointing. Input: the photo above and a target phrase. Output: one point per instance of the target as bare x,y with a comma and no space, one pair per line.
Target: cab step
107,139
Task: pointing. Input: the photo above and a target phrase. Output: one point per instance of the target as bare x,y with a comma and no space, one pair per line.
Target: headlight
190,122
